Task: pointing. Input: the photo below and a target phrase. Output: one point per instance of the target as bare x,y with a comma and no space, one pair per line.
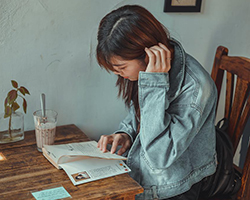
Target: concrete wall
49,47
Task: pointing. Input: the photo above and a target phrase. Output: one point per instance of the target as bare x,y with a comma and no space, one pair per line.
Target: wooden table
25,170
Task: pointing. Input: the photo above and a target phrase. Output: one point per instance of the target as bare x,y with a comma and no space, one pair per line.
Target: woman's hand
122,139
159,58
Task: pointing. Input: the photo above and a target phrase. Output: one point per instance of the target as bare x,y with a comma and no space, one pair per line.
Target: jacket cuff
154,79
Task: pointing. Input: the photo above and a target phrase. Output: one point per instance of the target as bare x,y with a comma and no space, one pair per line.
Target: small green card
51,194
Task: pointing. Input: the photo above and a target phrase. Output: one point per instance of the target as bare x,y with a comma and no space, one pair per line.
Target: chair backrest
237,102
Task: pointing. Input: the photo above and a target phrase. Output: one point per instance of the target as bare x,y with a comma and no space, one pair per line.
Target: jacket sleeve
166,130
128,125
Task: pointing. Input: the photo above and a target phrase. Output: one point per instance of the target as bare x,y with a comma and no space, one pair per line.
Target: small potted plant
11,121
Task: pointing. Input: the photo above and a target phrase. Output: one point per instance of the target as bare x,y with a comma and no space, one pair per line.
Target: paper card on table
51,194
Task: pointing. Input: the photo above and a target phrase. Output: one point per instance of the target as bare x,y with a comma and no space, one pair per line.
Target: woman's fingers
124,148
122,139
160,54
166,49
159,58
167,58
115,144
151,59
103,142
115,139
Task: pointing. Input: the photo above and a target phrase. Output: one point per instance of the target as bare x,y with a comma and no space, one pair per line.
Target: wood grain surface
26,170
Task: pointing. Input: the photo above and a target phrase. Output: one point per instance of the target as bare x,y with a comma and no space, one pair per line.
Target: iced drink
45,134
45,128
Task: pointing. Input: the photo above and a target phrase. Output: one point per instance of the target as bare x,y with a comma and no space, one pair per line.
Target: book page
65,153
55,152
90,149
83,171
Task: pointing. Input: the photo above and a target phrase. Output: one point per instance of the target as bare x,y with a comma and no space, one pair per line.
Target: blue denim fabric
175,147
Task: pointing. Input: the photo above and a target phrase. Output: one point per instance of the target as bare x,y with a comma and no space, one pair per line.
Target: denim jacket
175,147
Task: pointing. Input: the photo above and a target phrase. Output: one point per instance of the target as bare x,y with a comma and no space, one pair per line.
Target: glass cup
45,127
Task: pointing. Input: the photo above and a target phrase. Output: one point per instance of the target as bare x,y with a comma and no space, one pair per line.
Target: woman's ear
146,60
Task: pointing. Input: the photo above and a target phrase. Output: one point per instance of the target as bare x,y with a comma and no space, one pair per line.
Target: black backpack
226,181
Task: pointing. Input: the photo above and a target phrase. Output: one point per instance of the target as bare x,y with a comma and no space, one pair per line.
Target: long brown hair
125,32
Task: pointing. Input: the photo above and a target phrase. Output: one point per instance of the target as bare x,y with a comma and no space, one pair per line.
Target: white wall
48,46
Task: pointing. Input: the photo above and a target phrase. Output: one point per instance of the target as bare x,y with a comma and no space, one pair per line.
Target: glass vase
11,128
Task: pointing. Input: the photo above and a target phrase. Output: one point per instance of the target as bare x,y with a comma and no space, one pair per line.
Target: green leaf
15,106
7,112
23,90
12,95
24,105
6,102
14,84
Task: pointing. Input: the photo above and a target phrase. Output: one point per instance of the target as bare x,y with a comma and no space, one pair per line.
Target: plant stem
10,126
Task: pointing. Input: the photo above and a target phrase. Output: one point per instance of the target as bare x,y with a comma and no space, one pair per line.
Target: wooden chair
237,104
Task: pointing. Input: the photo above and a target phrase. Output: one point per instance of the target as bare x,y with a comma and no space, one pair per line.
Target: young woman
169,132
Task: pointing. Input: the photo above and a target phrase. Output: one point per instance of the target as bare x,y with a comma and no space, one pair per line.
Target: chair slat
217,73
238,104
229,94
243,120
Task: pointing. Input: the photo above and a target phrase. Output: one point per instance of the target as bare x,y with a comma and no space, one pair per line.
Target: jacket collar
177,71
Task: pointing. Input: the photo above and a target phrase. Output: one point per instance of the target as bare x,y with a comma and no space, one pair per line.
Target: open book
84,162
